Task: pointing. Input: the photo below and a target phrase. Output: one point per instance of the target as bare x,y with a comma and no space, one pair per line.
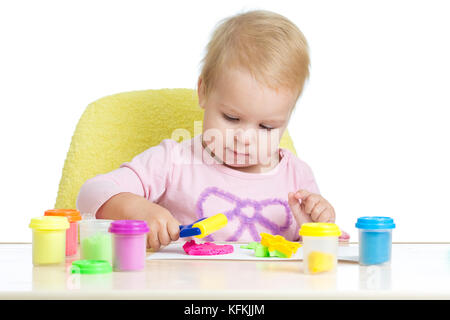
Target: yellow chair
113,129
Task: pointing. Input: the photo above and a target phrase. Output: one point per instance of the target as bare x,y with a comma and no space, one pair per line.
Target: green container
95,240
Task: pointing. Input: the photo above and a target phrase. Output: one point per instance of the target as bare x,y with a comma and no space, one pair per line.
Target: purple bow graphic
246,222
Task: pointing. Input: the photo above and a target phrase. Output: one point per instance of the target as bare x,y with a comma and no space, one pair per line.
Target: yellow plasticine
49,246
279,243
211,224
320,262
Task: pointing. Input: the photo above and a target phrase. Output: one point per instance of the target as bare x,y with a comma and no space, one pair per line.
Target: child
253,74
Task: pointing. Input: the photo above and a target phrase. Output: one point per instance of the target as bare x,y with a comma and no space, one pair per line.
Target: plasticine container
129,238
375,239
320,247
72,233
95,240
49,240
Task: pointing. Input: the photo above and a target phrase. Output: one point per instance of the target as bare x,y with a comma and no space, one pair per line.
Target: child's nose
242,144
245,138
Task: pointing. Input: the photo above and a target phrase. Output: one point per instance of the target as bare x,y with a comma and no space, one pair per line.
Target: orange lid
71,214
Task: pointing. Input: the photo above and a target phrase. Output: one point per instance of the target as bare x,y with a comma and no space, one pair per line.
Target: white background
372,122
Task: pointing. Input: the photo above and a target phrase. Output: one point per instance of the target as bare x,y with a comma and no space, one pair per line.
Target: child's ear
200,93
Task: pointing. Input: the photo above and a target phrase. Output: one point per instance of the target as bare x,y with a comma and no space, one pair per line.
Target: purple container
129,239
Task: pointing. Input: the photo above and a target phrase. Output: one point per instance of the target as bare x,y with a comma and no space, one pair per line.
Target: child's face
244,121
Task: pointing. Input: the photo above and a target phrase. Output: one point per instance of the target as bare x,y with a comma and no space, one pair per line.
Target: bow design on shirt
237,213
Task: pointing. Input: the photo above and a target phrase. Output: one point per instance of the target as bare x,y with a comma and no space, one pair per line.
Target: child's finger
173,228
310,203
318,212
295,207
332,215
163,235
326,216
299,215
153,237
302,194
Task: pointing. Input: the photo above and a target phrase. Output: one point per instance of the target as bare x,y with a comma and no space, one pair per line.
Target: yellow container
49,239
320,247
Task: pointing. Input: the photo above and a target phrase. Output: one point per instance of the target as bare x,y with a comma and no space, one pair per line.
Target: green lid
91,266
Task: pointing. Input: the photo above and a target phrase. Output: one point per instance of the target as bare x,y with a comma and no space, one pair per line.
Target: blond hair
264,43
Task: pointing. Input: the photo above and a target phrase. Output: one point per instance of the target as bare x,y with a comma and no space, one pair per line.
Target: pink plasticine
206,249
72,239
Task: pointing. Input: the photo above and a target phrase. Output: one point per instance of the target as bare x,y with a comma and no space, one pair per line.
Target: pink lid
129,227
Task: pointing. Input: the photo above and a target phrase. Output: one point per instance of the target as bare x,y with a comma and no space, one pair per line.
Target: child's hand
312,208
164,228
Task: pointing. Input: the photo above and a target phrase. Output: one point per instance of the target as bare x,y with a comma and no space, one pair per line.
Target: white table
417,271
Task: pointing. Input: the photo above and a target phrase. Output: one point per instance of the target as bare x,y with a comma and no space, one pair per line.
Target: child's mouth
239,154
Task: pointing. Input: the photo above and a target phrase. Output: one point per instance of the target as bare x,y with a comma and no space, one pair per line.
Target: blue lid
375,223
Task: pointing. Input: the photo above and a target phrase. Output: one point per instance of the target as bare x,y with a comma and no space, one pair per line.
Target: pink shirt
185,179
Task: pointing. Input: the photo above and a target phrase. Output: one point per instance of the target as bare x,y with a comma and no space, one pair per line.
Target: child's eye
237,119
264,127
230,118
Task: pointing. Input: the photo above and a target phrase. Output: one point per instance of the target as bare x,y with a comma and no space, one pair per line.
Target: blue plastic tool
188,231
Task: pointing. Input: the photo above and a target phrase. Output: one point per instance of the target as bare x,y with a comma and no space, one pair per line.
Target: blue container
375,239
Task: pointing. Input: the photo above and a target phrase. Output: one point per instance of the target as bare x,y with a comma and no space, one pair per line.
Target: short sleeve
146,175
153,169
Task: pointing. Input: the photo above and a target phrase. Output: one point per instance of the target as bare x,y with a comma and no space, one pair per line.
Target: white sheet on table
174,251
